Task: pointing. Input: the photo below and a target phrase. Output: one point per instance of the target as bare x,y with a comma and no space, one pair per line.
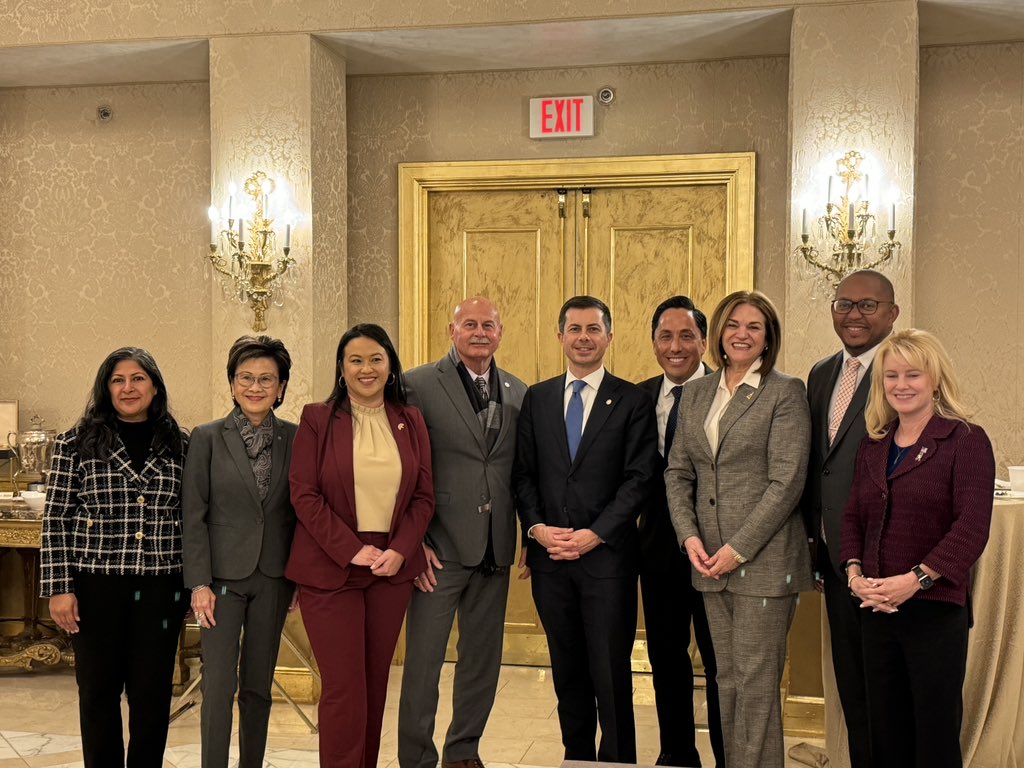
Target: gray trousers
258,605
749,635
480,603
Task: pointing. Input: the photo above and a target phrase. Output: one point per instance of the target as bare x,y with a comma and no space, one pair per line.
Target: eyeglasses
266,381
864,306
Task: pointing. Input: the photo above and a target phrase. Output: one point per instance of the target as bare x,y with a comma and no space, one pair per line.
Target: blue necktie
574,418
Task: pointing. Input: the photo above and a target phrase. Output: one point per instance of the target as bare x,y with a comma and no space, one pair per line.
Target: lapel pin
750,396
507,385
921,454
608,401
401,426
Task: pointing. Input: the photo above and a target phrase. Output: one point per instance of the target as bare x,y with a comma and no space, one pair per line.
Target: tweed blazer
936,508
228,530
103,517
468,474
323,494
746,493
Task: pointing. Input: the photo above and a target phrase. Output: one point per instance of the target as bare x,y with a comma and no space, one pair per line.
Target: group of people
727,490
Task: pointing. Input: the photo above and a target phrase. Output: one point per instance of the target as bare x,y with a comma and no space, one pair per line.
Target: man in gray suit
863,314
471,408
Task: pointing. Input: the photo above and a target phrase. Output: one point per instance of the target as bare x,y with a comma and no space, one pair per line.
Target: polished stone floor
39,724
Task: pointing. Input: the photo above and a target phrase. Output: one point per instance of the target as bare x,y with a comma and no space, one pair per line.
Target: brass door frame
417,180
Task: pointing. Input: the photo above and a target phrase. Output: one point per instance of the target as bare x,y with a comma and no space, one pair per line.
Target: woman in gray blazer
734,477
238,527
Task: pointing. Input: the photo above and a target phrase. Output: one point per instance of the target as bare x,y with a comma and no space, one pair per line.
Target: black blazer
604,489
658,544
830,469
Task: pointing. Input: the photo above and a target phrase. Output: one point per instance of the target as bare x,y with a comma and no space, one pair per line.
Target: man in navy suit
679,335
863,314
585,457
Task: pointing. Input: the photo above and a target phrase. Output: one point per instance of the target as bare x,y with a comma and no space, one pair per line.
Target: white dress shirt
722,399
587,394
665,402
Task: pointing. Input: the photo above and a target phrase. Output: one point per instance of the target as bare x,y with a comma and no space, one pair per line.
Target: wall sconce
847,231
243,252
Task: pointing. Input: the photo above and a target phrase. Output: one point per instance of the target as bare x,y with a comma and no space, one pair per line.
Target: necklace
897,456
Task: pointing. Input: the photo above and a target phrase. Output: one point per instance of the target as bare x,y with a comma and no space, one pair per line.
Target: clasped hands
565,543
385,562
884,595
714,566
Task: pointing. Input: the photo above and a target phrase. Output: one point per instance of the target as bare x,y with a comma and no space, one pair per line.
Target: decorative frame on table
8,423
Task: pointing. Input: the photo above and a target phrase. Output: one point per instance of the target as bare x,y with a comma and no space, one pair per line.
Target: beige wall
718,106
970,259
101,230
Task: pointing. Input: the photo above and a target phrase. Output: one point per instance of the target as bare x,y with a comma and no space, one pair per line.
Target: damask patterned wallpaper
100,238
717,106
970,264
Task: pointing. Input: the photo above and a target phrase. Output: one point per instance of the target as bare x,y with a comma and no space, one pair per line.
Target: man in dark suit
863,314
471,408
679,335
586,453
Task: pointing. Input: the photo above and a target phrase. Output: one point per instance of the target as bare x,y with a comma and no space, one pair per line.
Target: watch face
923,578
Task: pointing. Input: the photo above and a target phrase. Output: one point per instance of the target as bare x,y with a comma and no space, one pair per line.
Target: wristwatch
923,578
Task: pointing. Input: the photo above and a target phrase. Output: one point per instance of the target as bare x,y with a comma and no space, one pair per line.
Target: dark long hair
394,390
97,429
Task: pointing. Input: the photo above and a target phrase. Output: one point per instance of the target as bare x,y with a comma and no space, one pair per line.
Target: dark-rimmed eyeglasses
266,381
864,306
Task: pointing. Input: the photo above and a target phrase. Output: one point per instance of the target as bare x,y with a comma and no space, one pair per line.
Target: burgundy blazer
323,494
936,508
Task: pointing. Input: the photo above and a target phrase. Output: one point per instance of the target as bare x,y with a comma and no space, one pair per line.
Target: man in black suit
863,314
679,334
586,453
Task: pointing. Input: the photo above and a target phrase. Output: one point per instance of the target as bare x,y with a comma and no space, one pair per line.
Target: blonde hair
925,352
772,328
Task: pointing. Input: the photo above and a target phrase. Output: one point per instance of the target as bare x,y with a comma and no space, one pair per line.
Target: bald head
476,332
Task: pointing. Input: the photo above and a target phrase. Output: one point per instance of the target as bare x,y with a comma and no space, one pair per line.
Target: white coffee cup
1016,479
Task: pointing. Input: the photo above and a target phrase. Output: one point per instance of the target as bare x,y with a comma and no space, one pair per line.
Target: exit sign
556,117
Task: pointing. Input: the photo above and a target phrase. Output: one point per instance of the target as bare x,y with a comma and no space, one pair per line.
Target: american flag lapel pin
608,401
401,426
921,454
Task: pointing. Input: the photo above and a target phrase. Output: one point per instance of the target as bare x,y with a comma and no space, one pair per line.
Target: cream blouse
377,468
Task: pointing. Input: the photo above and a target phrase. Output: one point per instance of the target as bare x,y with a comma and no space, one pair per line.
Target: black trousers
915,661
844,622
128,636
670,602
590,625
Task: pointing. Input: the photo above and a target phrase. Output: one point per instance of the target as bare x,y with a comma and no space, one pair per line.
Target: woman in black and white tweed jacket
111,557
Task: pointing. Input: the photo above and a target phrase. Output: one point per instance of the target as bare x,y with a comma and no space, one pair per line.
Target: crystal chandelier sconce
845,238
244,250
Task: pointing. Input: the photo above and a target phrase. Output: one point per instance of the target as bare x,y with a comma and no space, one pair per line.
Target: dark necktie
481,386
673,418
574,418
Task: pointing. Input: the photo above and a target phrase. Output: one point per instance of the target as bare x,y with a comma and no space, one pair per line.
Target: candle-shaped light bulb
241,235
829,189
866,194
214,218
265,185
232,189
892,216
288,235
850,223
803,227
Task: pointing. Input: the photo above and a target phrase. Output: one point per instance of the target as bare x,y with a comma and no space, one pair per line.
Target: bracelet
849,582
201,586
848,563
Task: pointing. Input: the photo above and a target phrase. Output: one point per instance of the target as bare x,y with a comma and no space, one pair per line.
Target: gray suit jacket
227,531
745,495
466,474
830,469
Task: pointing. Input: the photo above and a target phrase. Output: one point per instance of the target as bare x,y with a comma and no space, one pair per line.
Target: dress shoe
473,762
667,758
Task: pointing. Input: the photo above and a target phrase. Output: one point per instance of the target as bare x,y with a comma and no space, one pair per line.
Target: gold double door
529,247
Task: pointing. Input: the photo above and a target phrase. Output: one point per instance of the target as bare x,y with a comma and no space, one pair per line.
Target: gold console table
38,642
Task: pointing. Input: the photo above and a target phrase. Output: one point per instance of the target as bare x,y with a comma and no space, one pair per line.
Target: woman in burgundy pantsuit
916,521
363,494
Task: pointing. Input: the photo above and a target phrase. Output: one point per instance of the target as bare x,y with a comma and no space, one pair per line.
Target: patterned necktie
481,386
843,397
574,418
673,418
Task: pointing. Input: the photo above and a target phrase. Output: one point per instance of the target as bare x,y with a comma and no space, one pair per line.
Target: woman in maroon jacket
916,521
363,494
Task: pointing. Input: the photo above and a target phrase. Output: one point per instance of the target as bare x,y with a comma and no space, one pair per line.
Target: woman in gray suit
238,527
734,477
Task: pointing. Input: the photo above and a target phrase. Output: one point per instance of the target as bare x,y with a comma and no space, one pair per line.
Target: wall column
853,85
